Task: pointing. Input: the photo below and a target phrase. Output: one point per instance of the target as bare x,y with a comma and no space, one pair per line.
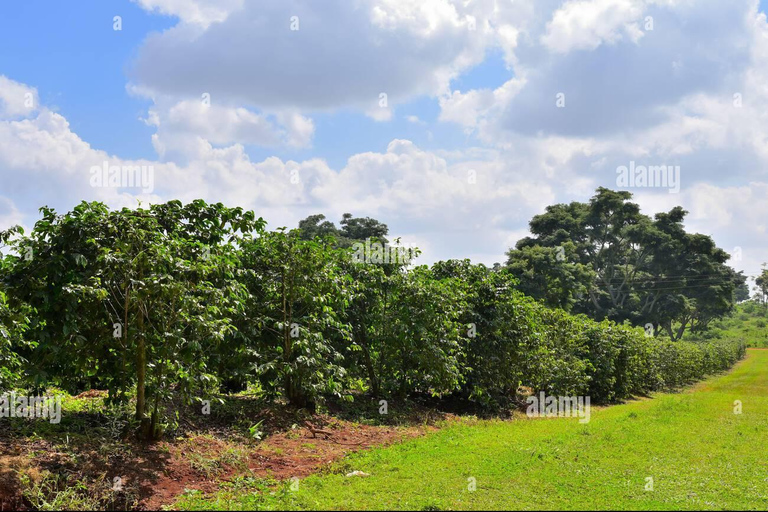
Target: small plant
206,466
234,457
58,492
255,431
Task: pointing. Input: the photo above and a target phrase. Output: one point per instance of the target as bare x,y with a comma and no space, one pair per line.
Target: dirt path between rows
282,456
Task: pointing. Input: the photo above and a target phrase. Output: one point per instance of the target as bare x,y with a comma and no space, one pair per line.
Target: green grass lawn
697,451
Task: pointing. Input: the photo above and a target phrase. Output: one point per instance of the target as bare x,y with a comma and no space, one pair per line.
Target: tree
14,321
633,267
356,229
762,284
550,275
316,226
127,298
407,334
13,324
370,289
296,298
741,293
422,334
497,327
353,229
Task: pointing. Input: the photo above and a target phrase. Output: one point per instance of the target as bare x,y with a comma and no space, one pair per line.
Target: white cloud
379,113
202,12
9,214
341,55
16,99
298,129
658,97
42,162
181,127
470,198
586,24
631,91
469,109
735,216
454,204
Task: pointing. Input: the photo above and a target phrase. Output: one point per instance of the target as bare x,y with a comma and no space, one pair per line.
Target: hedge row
522,342
182,300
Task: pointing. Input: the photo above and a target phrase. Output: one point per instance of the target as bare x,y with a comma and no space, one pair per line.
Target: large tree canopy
608,260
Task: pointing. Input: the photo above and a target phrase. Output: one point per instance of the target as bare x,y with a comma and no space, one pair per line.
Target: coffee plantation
207,299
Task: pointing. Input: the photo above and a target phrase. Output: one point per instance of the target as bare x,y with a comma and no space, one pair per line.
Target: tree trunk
668,328
125,342
286,339
681,330
141,365
154,422
375,387
293,391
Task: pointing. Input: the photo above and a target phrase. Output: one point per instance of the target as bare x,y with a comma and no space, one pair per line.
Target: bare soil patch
203,452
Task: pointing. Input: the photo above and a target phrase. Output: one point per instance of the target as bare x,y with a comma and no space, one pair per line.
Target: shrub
554,365
13,324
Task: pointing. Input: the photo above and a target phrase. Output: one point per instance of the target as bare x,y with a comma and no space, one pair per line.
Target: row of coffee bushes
516,341
178,300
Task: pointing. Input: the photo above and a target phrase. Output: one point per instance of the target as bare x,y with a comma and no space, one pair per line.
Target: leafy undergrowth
689,450
748,322
89,461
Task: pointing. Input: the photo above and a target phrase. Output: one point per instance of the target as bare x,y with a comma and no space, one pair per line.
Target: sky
452,121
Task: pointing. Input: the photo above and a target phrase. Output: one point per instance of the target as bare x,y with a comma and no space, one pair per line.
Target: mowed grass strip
698,452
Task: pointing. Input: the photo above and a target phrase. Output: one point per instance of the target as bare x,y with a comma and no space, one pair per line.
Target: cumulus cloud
9,214
16,99
586,24
472,108
617,84
674,95
307,55
42,162
735,216
446,201
181,127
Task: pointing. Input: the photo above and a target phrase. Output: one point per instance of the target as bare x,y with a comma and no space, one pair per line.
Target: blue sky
79,67
77,62
470,144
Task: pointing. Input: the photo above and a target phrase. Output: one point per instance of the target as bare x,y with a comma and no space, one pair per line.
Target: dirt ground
131,475
296,453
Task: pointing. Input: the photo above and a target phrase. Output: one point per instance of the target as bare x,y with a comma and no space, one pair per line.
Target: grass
55,492
211,465
688,450
749,322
